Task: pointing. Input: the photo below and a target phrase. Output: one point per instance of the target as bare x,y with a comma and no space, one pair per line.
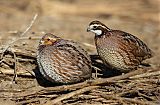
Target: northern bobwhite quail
118,49
62,61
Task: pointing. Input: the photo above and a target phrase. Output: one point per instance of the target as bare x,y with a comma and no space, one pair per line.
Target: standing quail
62,61
118,49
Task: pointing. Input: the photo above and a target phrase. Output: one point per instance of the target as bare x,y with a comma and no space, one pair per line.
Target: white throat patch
97,32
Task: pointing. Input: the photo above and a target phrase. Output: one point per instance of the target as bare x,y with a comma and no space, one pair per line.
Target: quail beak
41,42
88,29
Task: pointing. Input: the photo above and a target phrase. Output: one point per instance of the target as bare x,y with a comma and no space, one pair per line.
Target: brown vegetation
20,31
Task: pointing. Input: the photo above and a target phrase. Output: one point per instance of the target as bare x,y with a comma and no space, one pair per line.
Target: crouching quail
62,61
118,49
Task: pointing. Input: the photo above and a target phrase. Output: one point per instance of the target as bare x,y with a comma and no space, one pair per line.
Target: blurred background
70,18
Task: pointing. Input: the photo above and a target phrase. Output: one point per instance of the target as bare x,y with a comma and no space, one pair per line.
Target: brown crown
100,24
49,39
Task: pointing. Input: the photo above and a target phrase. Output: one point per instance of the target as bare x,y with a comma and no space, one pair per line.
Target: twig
87,83
126,99
116,78
20,50
133,92
1,61
11,90
10,72
15,67
71,94
127,92
28,71
21,53
98,81
30,25
153,81
145,96
25,60
27,101
12,42
89,45
145,75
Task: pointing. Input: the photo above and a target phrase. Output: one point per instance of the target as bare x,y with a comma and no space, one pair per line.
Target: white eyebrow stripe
91,26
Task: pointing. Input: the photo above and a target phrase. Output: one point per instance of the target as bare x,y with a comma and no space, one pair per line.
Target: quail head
118,49
62,61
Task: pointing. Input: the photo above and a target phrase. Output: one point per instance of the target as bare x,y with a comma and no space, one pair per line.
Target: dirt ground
69,19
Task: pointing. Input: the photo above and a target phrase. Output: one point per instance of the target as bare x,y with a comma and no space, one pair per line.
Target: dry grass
69,19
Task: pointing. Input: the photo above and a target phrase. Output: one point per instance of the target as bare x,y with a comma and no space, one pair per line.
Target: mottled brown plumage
118,49
62,61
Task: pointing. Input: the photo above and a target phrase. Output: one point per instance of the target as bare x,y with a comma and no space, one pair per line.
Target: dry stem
27,29
71,94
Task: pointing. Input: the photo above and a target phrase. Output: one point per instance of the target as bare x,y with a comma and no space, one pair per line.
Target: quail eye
94,27
48,39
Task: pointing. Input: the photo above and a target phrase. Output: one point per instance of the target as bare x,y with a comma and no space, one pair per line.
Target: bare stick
153,81
28,101
126,99
71,94
145,75
10,72
15,67
23,53
89,45
12,42
11,90
88,83
31,24
145,96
